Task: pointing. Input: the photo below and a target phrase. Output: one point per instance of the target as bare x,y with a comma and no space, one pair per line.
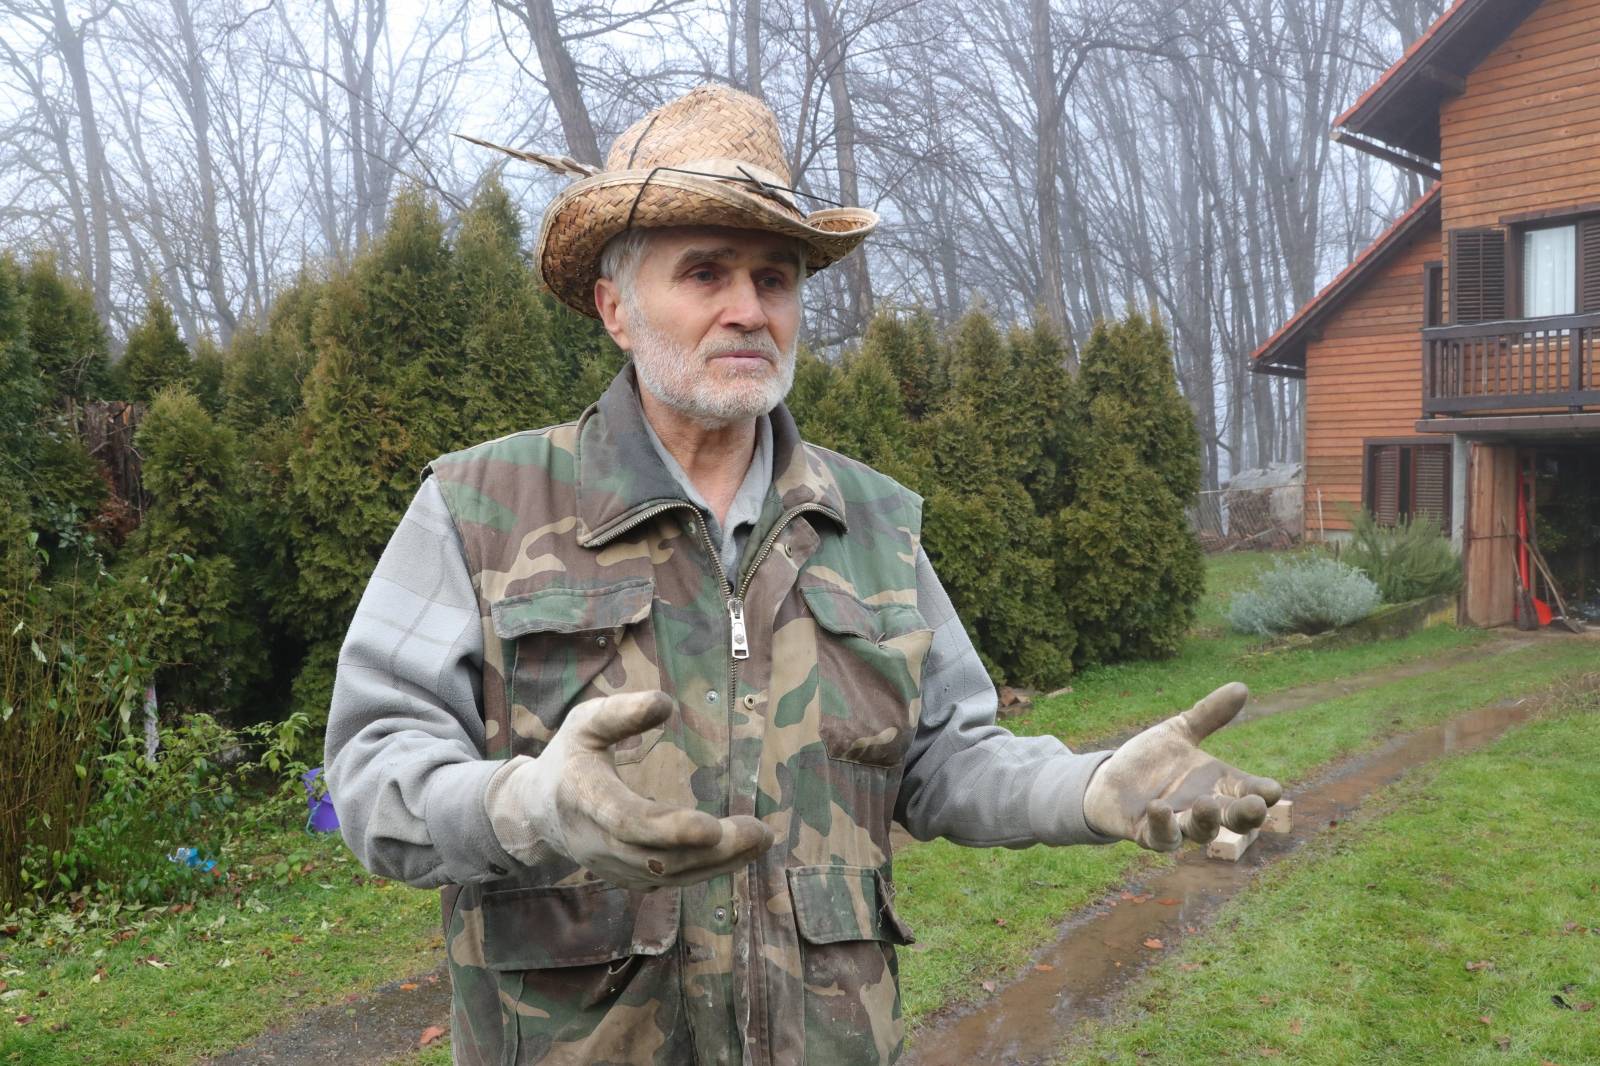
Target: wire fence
1253,519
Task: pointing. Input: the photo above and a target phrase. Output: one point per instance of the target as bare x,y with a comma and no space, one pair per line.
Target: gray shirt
405,738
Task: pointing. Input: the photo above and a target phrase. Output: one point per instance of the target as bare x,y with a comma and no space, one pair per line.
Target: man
645,691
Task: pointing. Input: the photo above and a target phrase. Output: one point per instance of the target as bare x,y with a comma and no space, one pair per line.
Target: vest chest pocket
569,644
869,659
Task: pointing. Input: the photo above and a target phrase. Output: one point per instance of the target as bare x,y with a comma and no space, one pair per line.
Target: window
1404,481
1433,294
1549,271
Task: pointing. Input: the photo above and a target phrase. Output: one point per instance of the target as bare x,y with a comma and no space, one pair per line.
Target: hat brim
590,212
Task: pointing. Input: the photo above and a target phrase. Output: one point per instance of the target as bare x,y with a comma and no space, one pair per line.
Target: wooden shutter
1383,483
1589,265
1430,493
1477,275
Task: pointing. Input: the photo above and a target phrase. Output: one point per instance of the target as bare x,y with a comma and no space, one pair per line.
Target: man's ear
608,301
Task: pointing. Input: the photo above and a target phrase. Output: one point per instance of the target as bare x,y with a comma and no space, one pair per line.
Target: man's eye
703,274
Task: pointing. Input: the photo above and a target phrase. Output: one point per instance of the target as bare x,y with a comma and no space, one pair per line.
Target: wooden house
1453,369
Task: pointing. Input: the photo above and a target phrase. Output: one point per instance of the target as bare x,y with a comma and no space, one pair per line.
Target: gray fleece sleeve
970,780
404,752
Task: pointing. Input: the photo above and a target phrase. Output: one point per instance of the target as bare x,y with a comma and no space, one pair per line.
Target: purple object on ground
322,818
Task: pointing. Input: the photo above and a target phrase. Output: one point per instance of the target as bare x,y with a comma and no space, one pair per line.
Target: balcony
1532,364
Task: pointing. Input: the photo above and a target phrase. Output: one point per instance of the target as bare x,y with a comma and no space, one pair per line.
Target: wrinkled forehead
671,245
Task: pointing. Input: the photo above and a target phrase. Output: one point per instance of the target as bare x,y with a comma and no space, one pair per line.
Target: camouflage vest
594,575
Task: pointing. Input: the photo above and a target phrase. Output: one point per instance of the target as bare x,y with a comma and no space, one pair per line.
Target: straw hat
712,157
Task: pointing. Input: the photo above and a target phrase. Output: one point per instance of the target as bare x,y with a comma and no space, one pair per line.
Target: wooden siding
1364,380
1525,135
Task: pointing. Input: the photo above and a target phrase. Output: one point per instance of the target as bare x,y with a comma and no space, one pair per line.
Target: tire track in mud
1101,950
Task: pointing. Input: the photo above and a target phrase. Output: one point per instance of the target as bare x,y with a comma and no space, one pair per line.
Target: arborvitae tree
156,356
21,388
861,414
209,370
909,344
207,638
1127,562
379,404
66,336
267,363
513,375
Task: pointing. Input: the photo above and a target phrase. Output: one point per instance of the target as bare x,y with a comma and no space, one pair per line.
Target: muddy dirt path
1102,950
384,1025
359,1031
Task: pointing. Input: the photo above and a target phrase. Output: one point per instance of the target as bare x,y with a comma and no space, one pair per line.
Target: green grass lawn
1463,926
167,986
951,895
235,965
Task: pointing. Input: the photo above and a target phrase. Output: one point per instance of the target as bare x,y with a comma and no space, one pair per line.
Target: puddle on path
366,1031
1102,951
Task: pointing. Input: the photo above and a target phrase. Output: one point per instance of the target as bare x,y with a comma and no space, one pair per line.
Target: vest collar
621,479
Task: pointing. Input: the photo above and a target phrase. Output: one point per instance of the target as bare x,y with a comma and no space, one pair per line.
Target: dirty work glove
570,801
1159,789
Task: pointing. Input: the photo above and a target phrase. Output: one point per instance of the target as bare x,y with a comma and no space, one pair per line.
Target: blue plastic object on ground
191,857
321,817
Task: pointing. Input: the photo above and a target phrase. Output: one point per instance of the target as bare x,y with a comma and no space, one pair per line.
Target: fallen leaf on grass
99,975
409,986
1503,1043
58,1027
430,1034
1481,964
151,960
24,1019
1485,1019
1043,967
1189,967
1154,943
1265,1001
987,986
1268,1052
1169,902
1001,922
1296,1027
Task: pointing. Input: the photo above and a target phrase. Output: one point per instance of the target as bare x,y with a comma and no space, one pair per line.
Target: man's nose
743,310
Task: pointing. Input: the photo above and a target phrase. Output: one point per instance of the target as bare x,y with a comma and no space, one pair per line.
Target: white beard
678,377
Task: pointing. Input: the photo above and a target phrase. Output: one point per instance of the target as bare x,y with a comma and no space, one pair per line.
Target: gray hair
620,258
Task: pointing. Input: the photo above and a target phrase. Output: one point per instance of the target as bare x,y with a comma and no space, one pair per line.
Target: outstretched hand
570,798
1159,789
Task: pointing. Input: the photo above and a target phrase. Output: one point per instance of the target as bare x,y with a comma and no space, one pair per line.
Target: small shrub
1407,562
188,796
1307,595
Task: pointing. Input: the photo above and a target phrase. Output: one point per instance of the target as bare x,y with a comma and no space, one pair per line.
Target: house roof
1284,353
1402,107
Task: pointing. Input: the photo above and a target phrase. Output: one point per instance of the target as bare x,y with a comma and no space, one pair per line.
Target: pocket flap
839,612
538,928
838,903
573,610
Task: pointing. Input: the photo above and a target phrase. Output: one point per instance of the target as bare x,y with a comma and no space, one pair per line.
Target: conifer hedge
280,466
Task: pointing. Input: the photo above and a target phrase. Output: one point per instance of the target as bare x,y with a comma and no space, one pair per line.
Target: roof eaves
1284,352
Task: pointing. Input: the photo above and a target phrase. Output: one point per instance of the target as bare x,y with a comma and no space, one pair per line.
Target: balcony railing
1532,364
